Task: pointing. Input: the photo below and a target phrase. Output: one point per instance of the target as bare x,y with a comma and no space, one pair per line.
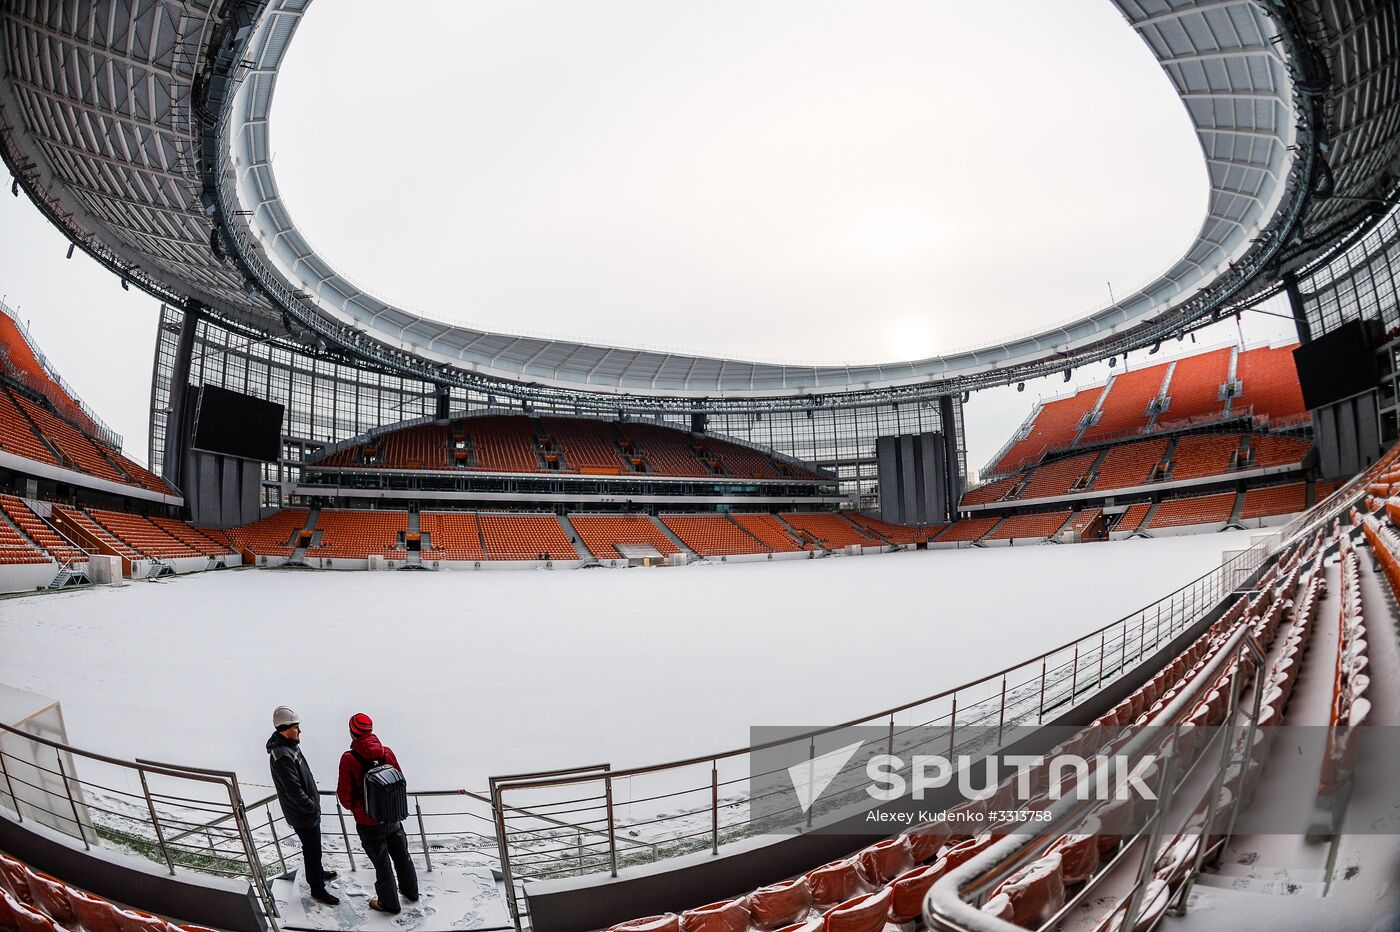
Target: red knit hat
361,725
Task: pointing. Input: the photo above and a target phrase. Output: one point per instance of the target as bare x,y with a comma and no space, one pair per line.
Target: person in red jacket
386,846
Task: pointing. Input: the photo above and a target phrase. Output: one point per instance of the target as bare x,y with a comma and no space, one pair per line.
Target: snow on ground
469,674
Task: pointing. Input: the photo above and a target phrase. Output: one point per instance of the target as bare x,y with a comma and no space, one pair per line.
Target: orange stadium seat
1198,509
51,897
351,534
1037,525
667,922
1195,386
1273,450
452,535
969,529
38,531
98,532
1261,502
770,532
1055,426
423,446
190,536
726,916
602,534
780,904
864,913
502,443
1269,382
1130,464
894,533
271,536
990,492
1199,455
713,535
79,451
1131,520
588,446
1125,407
141,535
524,537
1057,477
664,451
746,462
15,549
17,435
1083,520
830,530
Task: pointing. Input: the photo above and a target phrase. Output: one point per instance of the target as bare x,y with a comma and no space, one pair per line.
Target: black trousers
386,846
310,836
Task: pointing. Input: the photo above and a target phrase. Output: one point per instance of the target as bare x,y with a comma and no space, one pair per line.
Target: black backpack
386,792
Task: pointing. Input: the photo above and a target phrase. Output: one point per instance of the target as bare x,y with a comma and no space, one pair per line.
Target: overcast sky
796,180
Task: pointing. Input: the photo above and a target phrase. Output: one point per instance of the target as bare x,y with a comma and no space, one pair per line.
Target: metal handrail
138,821
946,907
895,710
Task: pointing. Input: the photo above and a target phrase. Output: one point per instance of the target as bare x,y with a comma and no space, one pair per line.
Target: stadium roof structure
141,129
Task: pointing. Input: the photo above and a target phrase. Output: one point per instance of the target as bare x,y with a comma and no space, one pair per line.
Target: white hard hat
283,716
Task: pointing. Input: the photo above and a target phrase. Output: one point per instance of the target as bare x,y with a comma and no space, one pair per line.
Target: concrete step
574,536
1267,881
671,536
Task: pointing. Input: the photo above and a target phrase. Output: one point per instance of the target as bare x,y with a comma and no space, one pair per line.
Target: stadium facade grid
328,400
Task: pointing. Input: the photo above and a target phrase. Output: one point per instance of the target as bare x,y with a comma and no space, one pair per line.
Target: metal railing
595,819
445,828
1187,780
188,819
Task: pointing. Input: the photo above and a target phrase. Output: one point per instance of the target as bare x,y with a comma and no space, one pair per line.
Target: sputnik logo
810,778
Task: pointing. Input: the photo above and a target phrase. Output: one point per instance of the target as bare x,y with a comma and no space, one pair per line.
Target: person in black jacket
301,804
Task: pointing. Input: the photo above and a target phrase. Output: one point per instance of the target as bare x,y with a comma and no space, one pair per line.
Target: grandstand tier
1192,391
771,532
1196,386
517,444
42,421
358,534
1059,477
1028,526
452,536
1195,509
1130,464
713,535
831,531
1127,403
609,537
276,535
1200,455
525,537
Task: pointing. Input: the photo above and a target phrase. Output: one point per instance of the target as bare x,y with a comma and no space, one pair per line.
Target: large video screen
1337,365
237,425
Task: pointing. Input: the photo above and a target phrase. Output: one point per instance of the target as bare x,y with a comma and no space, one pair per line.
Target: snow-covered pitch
472,674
